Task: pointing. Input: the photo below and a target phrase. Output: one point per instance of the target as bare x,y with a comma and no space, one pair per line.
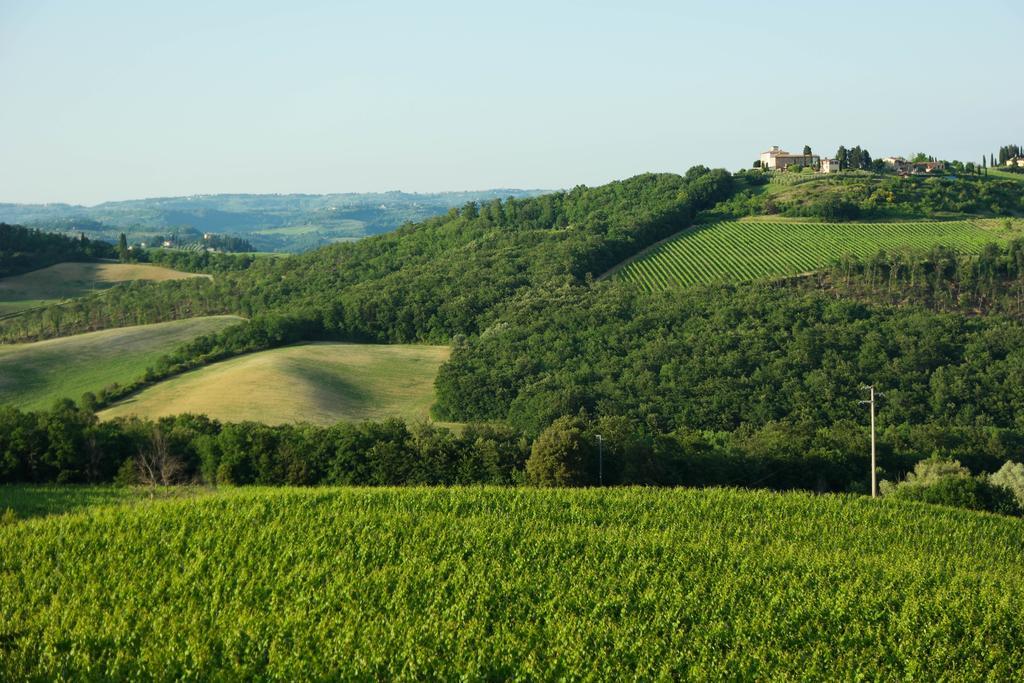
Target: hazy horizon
286,194
115,101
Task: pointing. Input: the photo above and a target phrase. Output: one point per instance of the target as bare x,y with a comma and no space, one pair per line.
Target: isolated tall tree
842,156
559,455
807,150
122,247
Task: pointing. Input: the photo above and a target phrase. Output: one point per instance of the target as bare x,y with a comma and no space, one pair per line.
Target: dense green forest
723,357
24,249
940,279
198,261
67,444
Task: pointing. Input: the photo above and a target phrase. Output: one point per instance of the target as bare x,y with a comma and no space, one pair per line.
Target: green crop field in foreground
735,251
432,584
27,501
33,376
319,383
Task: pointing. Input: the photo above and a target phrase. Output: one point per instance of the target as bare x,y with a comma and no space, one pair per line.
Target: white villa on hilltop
829,166
777,159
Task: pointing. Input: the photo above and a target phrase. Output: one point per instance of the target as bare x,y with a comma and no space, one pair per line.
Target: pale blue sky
115,100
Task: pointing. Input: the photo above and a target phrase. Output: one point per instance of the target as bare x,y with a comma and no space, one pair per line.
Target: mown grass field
34,375
489,584
735,251
319,383
68,280
349,226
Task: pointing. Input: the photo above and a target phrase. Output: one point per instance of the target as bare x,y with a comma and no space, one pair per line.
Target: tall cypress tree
842,156
122,247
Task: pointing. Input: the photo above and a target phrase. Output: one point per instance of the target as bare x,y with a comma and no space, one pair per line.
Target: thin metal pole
874,467
600,460
874,464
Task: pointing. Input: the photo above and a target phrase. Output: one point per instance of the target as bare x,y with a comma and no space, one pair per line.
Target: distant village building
896,163
777,159
829,165
904,167
926,167
1015,161
168,243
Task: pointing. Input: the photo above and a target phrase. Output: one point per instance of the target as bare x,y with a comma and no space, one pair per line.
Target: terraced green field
737,251
512,584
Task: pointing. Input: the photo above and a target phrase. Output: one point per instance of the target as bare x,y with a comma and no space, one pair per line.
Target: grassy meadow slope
511,583
734,251
67,280
34,375
1006,175
319,383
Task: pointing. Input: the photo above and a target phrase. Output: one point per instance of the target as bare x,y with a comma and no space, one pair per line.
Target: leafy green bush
559,455
1011,476
943,481
963,492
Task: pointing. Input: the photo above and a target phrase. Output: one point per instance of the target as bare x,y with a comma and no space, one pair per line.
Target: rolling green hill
68,280
35,375
425,282
513,584
735,251
319,383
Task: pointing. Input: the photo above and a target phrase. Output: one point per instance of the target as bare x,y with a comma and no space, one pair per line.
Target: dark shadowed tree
559,455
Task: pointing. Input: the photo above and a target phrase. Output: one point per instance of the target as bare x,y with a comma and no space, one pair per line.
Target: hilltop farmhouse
829,165
777,159
904,167
1015,161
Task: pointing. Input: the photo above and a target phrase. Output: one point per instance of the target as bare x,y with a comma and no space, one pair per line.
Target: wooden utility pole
600,460
874,468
